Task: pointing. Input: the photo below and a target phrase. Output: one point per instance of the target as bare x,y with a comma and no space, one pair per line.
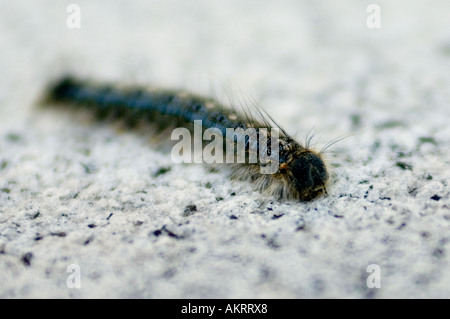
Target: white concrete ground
73,192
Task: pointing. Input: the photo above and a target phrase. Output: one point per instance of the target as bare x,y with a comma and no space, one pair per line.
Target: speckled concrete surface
73,192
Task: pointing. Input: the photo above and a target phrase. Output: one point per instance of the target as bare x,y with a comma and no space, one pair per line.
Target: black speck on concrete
26,259
189,210
436,197
404,166
59,234
162,171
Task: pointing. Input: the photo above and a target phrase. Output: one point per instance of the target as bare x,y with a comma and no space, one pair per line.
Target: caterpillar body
301,173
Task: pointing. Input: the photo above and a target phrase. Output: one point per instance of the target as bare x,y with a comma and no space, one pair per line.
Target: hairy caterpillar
301,173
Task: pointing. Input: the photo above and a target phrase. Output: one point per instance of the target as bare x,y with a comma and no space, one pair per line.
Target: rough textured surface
137,225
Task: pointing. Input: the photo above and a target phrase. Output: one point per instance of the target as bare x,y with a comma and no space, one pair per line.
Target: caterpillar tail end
58,91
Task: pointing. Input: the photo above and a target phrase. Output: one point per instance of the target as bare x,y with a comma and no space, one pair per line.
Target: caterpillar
300,174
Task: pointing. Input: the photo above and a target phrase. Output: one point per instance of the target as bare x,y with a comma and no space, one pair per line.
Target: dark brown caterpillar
301,173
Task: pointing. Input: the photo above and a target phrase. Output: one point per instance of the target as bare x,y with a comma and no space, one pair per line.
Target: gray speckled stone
73,192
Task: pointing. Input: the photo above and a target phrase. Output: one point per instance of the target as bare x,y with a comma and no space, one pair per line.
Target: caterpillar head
309,175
